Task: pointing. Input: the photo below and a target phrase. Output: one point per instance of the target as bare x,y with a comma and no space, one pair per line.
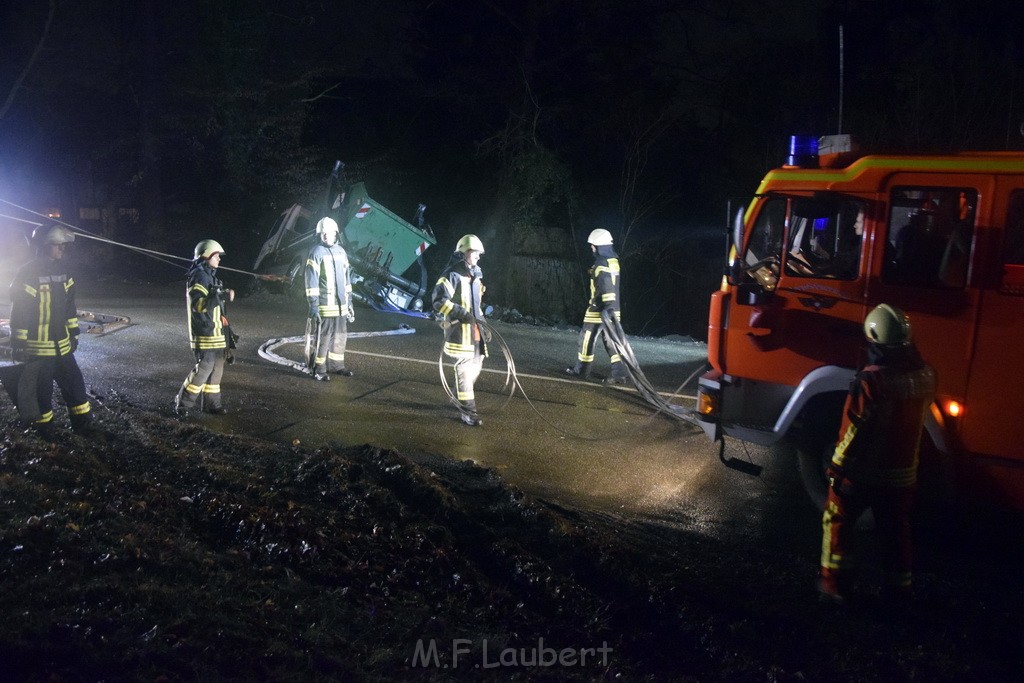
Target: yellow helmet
469,243
208,248
600,238
887,326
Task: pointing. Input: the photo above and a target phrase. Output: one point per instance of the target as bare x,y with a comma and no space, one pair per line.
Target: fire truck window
931,230
1013,249
826,244
766,237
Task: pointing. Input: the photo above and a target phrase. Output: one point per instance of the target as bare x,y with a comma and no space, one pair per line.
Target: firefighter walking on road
457,300
208,331
329,293
44,337
604,296
875,462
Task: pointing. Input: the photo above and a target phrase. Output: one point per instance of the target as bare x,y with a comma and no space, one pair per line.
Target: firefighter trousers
588,340
65,372
892,509
204,380
466,372
332,338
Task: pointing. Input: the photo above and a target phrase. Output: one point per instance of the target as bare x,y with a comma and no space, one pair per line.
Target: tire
812,461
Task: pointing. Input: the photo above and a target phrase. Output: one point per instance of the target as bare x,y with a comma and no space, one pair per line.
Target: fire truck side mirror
737,232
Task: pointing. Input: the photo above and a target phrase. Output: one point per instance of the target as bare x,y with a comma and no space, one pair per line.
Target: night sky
644,117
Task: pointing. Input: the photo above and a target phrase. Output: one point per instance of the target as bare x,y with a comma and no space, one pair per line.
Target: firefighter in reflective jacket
44,337
604,296
875,462
456,299
209,335
329,293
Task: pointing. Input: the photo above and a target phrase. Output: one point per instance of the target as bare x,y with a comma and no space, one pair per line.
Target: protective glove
74,344
314,310
19,355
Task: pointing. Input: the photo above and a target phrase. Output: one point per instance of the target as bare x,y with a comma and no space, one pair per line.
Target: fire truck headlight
954,408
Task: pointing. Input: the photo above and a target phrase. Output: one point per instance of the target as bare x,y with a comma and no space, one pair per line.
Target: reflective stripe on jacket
205,308
43,315
883,418
328,280
456,297
604,285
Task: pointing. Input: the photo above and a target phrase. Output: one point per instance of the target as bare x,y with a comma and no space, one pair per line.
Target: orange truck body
941,237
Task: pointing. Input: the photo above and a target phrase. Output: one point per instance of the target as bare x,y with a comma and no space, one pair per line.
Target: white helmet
208,248
327,229
52,234
469,243
600,238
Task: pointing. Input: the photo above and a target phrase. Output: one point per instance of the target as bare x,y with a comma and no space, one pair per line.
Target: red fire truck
829,236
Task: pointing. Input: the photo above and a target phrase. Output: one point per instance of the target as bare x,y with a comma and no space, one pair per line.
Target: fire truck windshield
824,238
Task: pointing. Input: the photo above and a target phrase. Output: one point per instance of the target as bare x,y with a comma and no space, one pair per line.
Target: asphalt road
573,443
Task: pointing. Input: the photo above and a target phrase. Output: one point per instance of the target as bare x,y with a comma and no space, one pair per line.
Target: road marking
266,351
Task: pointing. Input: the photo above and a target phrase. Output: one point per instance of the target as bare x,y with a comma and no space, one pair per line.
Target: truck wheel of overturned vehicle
297,280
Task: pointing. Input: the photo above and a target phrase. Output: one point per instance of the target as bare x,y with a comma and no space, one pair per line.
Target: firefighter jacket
883,417
206,319
456,298
604,285
44,322
328,280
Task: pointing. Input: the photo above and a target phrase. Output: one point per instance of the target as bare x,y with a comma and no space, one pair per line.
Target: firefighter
874,464
208,331
457,300
329,292
604,296
44,337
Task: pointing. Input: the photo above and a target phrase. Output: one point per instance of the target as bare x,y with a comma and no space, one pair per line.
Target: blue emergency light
803,151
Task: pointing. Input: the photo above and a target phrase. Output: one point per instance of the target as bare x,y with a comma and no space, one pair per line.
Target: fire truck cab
827,238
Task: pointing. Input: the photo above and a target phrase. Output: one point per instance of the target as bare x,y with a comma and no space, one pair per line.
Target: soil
160,550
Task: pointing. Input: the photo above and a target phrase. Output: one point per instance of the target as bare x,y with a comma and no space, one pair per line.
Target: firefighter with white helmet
329,293
457,300
604,296
44,337
875,461
209,334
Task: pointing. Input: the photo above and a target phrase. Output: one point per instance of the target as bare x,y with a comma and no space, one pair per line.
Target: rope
152,253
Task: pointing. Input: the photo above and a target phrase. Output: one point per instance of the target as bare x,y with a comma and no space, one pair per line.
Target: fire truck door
991,424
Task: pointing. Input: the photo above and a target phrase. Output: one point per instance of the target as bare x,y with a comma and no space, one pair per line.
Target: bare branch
28,67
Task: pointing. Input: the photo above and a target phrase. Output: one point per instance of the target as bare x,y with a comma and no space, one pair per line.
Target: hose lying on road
617,338
268,349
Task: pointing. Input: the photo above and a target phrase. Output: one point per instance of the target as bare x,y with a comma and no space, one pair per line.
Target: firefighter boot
467,412
833,587
83,426
581,370
320,373
619,374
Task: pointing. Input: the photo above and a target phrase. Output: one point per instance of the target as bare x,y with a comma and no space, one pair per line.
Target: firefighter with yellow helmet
874,464
604,296
329,293
44,337
209,334
457,301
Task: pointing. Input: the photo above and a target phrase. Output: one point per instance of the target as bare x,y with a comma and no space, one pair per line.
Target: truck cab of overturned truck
830,235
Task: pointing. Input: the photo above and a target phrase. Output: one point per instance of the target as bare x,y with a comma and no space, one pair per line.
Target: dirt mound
163,551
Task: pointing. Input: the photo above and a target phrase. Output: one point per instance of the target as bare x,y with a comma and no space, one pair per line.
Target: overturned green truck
383,248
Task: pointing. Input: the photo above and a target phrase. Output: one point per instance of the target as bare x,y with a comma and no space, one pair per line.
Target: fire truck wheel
812,460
